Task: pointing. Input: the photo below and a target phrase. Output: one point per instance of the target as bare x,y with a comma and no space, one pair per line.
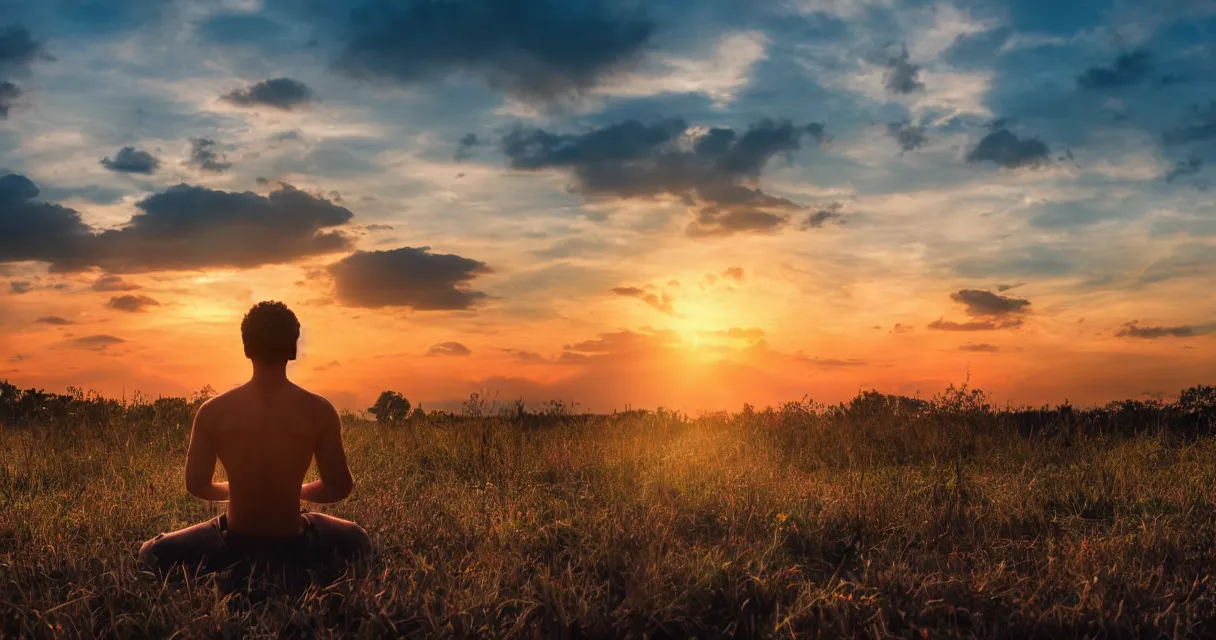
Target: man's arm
200,460
335,483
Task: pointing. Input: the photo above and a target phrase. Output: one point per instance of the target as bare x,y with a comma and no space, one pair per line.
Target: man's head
270,331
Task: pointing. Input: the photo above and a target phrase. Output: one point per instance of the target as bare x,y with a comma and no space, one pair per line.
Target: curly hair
270,331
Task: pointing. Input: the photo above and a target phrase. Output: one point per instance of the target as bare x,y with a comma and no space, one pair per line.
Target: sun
701,318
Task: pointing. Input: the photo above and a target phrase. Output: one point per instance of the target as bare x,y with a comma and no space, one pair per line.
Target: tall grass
883,517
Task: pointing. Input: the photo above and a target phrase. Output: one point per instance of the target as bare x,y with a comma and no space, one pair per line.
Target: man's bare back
266,433
266,436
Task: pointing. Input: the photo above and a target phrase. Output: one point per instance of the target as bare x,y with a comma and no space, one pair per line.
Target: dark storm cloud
1134,329
902,75
658,301
1202,127
987,303
18,287
448,349
31,230
131,160
975,325
539,50
908,136
407,277
280,93
54,320
980,348
1128,68
113,283
132,303
94,343
715,171
183,227
204,156
1005,149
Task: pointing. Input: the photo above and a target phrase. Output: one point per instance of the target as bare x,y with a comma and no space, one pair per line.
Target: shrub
390,408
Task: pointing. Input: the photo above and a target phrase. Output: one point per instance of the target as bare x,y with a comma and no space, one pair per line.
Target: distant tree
390,408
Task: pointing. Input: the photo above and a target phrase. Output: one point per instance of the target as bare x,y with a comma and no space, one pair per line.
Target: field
882,517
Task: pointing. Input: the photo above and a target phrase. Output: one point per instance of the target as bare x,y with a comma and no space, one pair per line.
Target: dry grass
760,524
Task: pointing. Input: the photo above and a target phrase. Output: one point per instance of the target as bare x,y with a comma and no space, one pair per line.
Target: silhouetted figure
266,433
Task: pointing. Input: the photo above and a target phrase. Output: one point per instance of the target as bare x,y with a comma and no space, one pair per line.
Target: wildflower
781,517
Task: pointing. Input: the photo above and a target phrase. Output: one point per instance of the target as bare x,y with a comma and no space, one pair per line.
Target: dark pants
211,546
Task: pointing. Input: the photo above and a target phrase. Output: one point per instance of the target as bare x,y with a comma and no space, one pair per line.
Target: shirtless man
266,432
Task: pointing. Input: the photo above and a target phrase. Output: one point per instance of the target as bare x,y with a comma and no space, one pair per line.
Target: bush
390,408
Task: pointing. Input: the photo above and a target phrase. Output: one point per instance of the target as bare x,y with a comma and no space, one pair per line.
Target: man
266,433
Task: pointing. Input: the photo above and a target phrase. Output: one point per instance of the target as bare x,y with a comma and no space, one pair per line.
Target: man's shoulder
220,403
315,401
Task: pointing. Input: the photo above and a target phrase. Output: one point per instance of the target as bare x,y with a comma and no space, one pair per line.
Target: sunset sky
686,203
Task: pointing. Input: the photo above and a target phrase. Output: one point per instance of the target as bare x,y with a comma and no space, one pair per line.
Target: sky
614,203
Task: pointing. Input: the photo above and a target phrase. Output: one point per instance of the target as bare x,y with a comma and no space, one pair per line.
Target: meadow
880,517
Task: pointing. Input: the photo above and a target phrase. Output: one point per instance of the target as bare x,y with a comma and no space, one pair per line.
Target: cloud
531,357
378,227
1005,149
624,342
132,303
113,283
333,364
407,277
97,342
987,303
737,333
464,148
1204,127
1134,329
181,228
535,50
1129,68
902,75
131,160
9,93
830,363
981,347
54,320
908,136
17,50
18,287
659,302
975,325
279,93
203,156
449,349
1187,167
31,230
823,215
714,172
733,273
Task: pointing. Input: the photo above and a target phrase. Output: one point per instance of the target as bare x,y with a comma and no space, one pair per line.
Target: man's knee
151,551
343,535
